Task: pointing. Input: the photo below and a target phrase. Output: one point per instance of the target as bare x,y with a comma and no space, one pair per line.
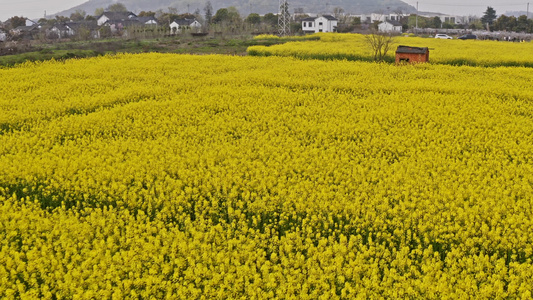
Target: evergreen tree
489,17
208,10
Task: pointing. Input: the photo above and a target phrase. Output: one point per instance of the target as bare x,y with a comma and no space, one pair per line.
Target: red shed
412,55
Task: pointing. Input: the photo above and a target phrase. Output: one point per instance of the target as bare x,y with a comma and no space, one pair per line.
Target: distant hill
246,7
517,13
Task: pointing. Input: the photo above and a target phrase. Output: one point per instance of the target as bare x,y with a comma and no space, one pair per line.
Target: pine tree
489,17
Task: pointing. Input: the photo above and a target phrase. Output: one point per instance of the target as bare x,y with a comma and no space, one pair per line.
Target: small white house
183,24
390,26
114,16
324,23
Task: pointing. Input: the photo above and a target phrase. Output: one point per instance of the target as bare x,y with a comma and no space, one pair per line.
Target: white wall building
390,26
453,19
109,16
376,17
182,24
325,23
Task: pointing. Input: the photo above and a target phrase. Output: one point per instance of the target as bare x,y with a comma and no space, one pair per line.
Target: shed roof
412,50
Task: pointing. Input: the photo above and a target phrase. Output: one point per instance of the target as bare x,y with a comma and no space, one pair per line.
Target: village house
26,32
114,17
324,23
376,17
61,31
118,22
390,26
179,25
88,29
146,20
118,26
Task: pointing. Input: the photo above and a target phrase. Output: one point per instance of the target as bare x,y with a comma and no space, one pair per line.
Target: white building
452,19
183,24
62,30
375,17
325,23
114,16
390,26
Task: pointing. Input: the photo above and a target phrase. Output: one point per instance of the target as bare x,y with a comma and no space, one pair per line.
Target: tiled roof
118,15
394,23
329,17
145,19
412,50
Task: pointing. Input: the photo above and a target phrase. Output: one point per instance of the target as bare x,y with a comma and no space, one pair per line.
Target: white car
443,36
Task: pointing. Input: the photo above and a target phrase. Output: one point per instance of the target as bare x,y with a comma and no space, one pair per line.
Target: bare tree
173,10
380,44
338,12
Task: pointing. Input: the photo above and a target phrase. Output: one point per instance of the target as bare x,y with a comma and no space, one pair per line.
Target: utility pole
527,15
416,22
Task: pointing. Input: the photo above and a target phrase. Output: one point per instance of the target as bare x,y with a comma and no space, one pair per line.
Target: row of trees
492,22
489,21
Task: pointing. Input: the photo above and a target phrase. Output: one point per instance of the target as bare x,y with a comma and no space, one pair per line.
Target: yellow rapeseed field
450,52
161,176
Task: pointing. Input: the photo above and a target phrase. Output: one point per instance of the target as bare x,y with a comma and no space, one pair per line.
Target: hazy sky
34,9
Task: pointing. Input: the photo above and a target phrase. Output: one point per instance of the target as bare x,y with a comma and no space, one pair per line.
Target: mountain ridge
245,7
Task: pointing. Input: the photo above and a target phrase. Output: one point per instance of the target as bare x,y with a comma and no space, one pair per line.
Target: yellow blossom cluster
451,52
210,177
